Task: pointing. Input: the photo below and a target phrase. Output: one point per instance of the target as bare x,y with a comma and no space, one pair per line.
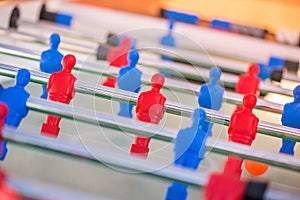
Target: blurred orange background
270,14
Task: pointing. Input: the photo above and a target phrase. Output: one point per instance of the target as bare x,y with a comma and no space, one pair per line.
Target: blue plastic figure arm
285,118
121,73
204,99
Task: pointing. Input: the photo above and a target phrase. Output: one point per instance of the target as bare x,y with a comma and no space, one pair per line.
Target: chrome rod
155,131
135,164
224,63
106,157
193,58
31,190
170,107
175,85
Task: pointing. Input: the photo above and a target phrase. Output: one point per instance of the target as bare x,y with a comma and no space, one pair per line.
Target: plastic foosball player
228,186
50,61
149,108
189,149
211,95
118,57
60,89
129,79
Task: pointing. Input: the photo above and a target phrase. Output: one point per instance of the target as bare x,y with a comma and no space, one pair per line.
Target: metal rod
170,107
195,59
193,56
155,131
146,167
175,85
195,73
188,36
107,157
38,190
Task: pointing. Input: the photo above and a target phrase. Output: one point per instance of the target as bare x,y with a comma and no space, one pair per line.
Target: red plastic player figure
249,83
243,123
61,89
7,193
3,114
226,185
149,108
117,57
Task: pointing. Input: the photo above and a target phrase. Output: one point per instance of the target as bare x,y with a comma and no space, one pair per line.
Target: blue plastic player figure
3,143
189,151
129,79
1,88
290,117
169,41
50,61
265,70
15,98
211,95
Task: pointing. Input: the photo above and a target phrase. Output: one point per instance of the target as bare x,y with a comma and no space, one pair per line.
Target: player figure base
50,130
141,151
110,82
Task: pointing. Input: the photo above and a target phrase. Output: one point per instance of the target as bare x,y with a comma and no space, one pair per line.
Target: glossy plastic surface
249,83
15,98
169,41
226,185
221,24
189,150
3,146
211,95
290,117
149,108
50,61
180,16
129,79
61,89
118,57
243,123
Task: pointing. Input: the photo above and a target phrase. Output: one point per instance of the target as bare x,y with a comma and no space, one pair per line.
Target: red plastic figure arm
71,90
50,82
254,130
162,111
139,103
231,124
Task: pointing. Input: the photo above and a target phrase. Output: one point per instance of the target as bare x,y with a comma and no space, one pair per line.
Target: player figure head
249,101
23,77
68,62
296,94
157,81
3,110
125,43
253,69
215,75
133,58
199,116
54,41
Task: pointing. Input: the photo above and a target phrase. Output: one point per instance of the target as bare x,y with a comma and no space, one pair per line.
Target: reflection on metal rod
175,85
171,107
126,162
37,190
106,157
189,71
137,127
196,57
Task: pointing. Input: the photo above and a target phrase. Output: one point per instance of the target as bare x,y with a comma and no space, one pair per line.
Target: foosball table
169,78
